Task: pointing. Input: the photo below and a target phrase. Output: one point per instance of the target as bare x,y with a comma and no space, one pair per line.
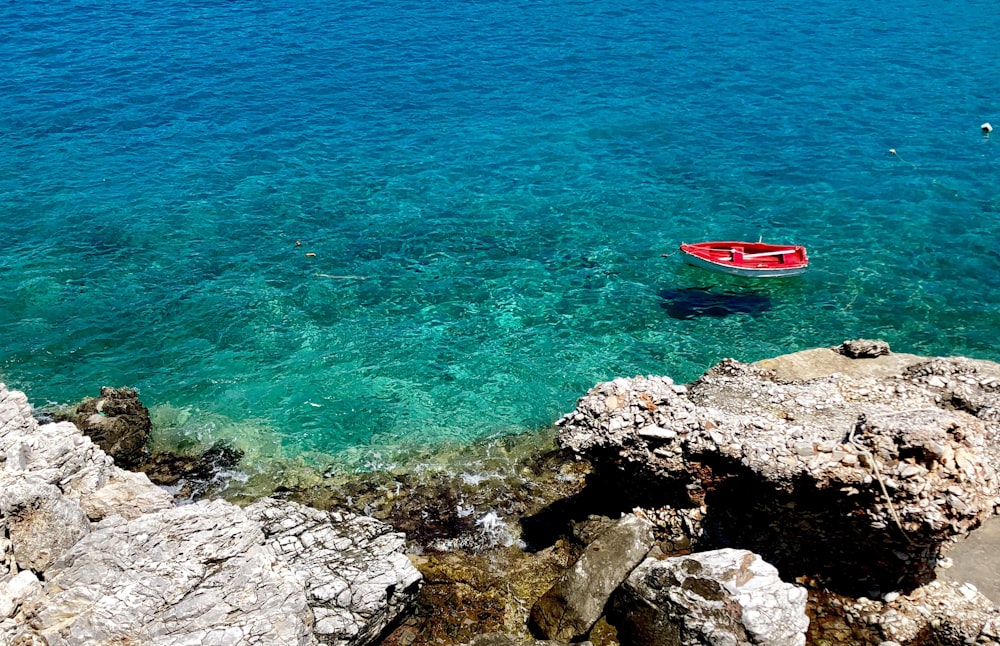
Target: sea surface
340,233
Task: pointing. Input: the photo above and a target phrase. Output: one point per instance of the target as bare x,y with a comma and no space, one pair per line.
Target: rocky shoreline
814,498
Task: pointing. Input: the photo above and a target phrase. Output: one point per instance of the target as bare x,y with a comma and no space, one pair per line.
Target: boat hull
747,272
747,259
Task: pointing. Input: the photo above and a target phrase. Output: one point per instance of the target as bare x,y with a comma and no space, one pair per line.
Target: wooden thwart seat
769,253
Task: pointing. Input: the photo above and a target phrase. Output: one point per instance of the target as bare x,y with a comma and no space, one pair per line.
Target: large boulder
720,597
574,604
860,475
40,522
357,578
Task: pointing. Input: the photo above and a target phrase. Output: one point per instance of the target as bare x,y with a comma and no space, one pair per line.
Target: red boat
754,259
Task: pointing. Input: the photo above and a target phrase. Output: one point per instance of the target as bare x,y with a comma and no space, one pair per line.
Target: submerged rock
506,639
469,593
192,477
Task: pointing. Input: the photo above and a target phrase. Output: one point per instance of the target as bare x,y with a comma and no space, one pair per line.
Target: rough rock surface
574,604
23,587
720,597
504,639
118,423
41,523
59,455
194,574
356,576
276,573
94,554
939,614
857,478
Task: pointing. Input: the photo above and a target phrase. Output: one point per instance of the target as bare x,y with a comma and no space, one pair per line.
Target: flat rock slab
975,559
571,607
823,362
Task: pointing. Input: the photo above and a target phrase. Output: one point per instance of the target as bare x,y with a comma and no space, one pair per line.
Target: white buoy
987,128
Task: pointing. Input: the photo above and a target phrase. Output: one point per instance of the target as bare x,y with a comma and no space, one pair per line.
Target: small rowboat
754,259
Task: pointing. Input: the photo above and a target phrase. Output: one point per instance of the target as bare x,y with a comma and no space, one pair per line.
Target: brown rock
863,349
118,423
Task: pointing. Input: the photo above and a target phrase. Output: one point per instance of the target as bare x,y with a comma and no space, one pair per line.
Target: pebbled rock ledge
861,480
90,553
852,469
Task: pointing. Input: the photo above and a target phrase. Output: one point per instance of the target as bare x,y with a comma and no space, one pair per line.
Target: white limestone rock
17,590
724,596
41,522
356,576
61,455
146,572
194,574
836,473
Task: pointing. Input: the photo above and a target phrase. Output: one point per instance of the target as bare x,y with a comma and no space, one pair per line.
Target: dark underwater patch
691,302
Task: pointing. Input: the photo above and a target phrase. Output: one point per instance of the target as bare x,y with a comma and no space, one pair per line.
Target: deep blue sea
332,232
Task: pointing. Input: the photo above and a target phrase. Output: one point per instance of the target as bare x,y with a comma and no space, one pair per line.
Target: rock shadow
801,530
805,531
601,496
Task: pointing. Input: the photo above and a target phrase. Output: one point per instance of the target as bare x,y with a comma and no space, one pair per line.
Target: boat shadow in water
687,303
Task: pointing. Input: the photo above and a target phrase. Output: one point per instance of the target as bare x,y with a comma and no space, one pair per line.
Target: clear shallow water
487,188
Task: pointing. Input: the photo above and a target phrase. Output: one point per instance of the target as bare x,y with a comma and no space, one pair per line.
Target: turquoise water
487,189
